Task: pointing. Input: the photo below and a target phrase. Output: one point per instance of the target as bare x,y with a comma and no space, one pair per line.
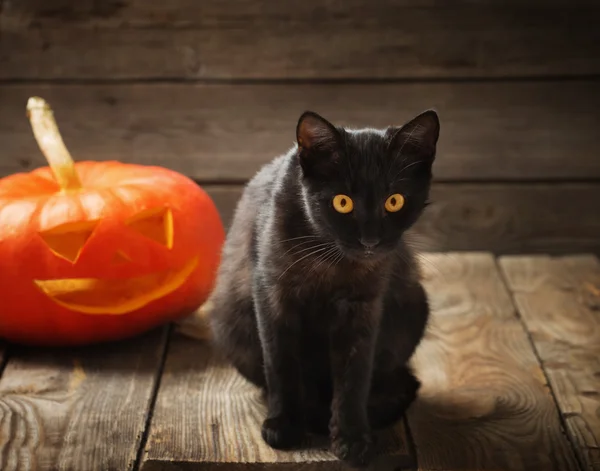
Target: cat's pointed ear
418,137
318,141
315,133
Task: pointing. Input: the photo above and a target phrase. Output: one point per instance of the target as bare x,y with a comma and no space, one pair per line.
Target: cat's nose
370,242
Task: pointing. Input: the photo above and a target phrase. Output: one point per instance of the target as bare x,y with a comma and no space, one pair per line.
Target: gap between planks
558,301
77,409
157,380
484,403
208,417
480,321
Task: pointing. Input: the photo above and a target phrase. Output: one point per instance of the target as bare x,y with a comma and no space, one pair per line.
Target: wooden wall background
213,89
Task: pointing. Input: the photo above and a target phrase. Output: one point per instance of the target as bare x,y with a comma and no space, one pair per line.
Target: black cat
318,298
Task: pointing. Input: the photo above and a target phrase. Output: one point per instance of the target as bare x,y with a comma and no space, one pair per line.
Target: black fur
324,323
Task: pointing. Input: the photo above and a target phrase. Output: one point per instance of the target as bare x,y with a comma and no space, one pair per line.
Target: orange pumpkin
98,251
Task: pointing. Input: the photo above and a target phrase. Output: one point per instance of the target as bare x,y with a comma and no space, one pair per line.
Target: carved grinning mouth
115,296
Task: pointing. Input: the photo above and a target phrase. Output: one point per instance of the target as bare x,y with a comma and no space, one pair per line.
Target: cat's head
365,188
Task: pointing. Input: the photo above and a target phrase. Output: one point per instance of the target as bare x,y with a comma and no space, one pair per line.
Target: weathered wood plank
484,403
559,302
503,218
268,39
224,132
208,417
77,409
213,13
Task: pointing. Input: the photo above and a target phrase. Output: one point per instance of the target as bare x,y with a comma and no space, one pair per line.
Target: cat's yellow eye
394,203
343,204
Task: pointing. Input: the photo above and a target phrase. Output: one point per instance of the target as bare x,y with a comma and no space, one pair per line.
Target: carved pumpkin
97,251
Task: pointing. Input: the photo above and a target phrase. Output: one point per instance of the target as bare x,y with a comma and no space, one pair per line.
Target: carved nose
370,242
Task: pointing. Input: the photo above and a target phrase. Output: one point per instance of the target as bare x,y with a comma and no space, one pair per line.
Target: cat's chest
322,288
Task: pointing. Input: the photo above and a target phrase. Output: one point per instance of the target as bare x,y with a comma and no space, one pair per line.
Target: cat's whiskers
338,259
302,243
298,252
314,252
323,258
331,256
300,237
415,241
428,264
295,246
421,256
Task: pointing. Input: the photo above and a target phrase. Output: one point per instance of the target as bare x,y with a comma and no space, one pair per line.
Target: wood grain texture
559,302
190,13
512,131
208,417
484,403
77,409
502,218
268,39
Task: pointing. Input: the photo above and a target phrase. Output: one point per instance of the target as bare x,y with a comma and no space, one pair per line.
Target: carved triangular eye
156,224
67,240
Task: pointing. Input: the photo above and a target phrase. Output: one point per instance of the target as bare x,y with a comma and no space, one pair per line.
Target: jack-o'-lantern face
97,251
113,296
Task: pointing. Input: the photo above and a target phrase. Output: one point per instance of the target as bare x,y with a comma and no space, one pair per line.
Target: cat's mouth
374,254
360,253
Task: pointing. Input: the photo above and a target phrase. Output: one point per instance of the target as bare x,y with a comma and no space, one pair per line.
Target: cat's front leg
279,325
352,344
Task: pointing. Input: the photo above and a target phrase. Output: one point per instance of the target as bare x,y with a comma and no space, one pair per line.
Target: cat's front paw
282,433
355,449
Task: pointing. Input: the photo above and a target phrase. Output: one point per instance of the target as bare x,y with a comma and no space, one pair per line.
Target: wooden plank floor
77,409
559,301
484,402
510,369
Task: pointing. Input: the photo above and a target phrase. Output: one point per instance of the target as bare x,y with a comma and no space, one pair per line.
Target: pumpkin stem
51,144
